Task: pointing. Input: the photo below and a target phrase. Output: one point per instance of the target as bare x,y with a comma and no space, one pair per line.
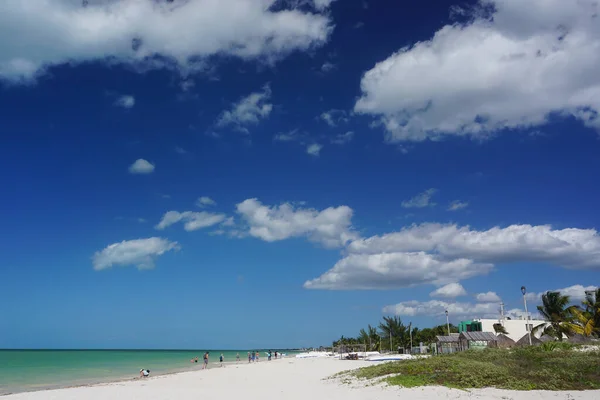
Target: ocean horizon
23,370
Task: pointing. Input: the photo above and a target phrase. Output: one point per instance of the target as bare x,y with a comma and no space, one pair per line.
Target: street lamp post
524,291
447,323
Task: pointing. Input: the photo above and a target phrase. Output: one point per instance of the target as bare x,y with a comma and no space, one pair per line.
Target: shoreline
122,379
290,378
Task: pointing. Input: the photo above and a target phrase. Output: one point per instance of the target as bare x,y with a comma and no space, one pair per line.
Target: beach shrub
528,368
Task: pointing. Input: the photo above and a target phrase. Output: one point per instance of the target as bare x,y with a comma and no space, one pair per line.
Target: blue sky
171,181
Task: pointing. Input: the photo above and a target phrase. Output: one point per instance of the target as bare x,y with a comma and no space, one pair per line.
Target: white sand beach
290,379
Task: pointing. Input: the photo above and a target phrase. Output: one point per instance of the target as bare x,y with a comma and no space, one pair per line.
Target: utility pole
447,323
502,313
524,291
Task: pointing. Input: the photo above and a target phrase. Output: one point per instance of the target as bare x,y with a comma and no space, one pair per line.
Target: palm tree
555,309
499,328
394,331
369,337
588,316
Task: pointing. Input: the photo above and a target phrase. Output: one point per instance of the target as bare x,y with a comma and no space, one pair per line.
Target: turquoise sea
27,370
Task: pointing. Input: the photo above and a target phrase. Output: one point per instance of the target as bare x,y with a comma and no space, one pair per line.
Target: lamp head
523,290
446,313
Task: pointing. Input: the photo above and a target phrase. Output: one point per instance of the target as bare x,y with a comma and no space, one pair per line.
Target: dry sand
289,379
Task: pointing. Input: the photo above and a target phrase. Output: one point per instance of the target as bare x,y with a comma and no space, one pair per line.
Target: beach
289,378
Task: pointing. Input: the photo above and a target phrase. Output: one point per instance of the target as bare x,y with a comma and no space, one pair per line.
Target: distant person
237,358
257,355
221,359
253,356
249,358
144,373
269,355
276,354
205,361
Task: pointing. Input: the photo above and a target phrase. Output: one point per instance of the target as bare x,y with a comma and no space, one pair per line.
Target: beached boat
390,357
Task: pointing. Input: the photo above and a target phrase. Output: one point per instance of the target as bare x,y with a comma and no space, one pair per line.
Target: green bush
547,367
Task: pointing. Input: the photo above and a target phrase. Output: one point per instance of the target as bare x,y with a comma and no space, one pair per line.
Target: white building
516,328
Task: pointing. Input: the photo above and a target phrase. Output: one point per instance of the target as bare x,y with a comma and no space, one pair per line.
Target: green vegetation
567,320
552,366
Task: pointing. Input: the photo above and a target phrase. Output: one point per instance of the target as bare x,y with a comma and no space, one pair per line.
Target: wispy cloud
205,201
421,200
457,205
140,253
247,111
343,138
314,149
125,101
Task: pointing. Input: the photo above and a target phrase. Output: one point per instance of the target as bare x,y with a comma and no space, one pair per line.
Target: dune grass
536,368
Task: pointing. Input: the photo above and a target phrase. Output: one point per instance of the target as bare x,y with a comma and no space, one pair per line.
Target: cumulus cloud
440,254
322,4
575,292
437,308
457,205
334,117
489,297
421,200
125,101
179,34
139,252
570,248
513,65
395,270
205,201
141,166
449,291
247,111
314,149
330,227
192,220
343,138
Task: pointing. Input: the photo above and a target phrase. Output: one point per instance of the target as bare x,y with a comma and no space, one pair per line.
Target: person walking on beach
253,356
249,358
257,355
205,361
237,358
221,359
269,355
276,354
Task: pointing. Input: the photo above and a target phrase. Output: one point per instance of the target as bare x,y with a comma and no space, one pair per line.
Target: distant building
515,328
476,340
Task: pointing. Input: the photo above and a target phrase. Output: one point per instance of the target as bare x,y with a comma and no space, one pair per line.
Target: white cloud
489,297
205,201
249,110
314,149
37,34
139,252
192,220
575,292
327,67
421,200
437,308
180,150
570,248
449,291
290,136
322,4
125,101
511,69
334,117
395,270
343,138
457,205
330,227
141,166
440,254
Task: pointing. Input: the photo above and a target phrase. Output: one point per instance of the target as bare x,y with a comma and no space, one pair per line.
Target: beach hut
504,342
524,341
446,344
476,340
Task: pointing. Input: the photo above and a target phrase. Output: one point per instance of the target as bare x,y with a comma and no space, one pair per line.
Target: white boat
390,357
314,354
